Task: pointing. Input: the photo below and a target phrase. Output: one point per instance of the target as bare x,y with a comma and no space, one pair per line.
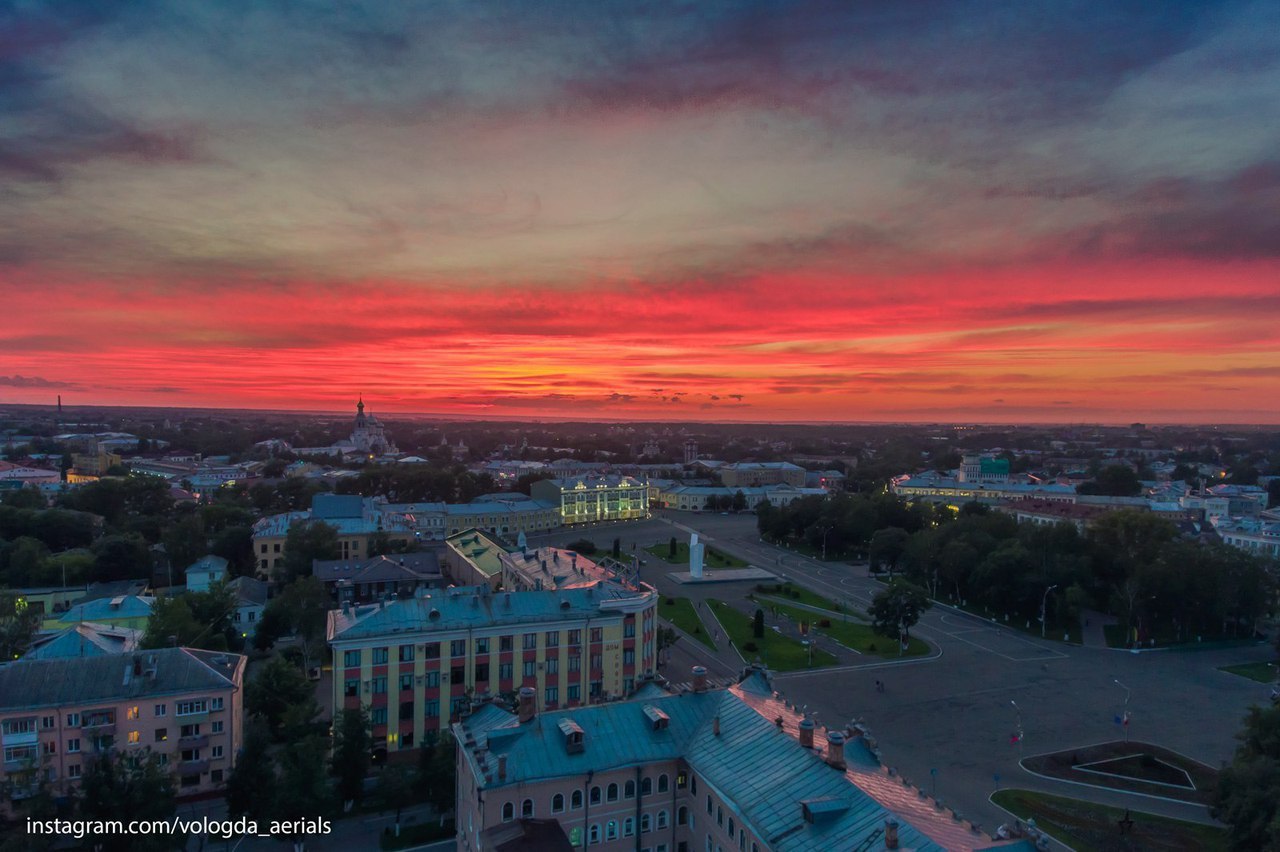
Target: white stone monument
695,557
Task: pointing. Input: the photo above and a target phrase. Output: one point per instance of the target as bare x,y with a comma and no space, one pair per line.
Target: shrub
750,647
671,601
871,646
824,622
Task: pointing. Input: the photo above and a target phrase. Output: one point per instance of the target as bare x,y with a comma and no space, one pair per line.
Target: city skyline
775,212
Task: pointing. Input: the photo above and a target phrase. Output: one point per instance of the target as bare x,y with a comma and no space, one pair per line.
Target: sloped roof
106,609
88,639
85,680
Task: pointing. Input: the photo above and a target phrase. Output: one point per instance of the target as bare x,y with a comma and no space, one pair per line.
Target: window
597,634
17,754
508,811
530,641
49,747
73,746
504,671
611,793
406,682
73,720
379,685
160,710
130,714
575,664
732,829
575,692
351,659
575,800
482,646
629,827
646,786
217,727
482,671
431,709
530,668
629,790
350,687
505,643
709,810
215,704
380,656
682,780
406,653
378,716
433,680
189,731
593,834
189,754
553,666
191,708
662,819
720,816
611,830
406,709
553,695
682,816
629,629
645,823
162,735
73,771
595,795
629,657
553,638
526,809
457,705
458,674
217,752
431,651
597,662
557,803
575,637
458,648
47,722
663,784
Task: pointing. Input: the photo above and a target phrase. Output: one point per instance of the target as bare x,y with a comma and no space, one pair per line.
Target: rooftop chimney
699,678
806,732
891,833
528,704
715,725
835,749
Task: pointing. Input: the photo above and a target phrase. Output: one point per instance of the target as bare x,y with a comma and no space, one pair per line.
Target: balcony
196,741
193,767
99,728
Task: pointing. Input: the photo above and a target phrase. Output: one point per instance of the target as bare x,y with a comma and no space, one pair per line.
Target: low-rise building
24,475
943,489
373,579
721,770
472,558
750,474
589,499
416,665
357,519
132,611
84,639
251,596
181,704
1258,536
667,494
503,514
206,571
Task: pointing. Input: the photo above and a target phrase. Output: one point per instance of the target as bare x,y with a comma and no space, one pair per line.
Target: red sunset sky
790,211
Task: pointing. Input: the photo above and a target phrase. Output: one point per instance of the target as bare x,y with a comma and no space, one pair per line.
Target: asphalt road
945,722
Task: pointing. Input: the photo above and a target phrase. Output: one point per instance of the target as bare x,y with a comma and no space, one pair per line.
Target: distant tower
59,408
690,451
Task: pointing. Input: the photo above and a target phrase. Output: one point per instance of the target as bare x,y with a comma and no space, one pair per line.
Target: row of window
108,717
458,647
648,822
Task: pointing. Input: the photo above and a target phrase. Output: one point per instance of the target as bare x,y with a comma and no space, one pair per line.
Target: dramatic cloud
834,210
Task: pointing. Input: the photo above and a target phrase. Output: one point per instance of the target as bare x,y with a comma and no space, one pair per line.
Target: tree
136,785
438,774
757,624
306,542
617,548
235,544
583,546
171,623
350,761
739,503
24,498
396,788
896,609
279,686
247,794
1247,797
1115,480
303,792
302,608
121,557
184,541
886,547
193,620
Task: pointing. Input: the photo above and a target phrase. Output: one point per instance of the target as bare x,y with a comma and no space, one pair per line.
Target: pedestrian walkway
1091,624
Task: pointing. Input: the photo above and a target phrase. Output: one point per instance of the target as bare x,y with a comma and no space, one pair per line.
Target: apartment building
416,665
58,715
735,769
357,520
583,500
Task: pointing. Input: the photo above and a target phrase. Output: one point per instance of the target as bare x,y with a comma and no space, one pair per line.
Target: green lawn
415,835
711,557
680,612
859,637
1261,672
805,596
1087,827
780,653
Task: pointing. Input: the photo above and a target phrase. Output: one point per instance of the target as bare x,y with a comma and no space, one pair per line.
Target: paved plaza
945,721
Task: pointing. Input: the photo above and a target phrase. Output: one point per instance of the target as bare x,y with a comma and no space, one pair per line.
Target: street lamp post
1124,718
1044,603
825,532
1018,731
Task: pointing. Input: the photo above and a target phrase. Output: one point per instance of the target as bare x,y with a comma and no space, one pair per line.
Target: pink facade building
59,715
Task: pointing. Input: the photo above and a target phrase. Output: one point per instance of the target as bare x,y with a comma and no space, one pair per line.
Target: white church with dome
367,436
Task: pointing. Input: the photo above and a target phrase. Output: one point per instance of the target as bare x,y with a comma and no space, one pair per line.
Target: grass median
778,652
711,558
1087,827
859,637
1261,672
680,612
